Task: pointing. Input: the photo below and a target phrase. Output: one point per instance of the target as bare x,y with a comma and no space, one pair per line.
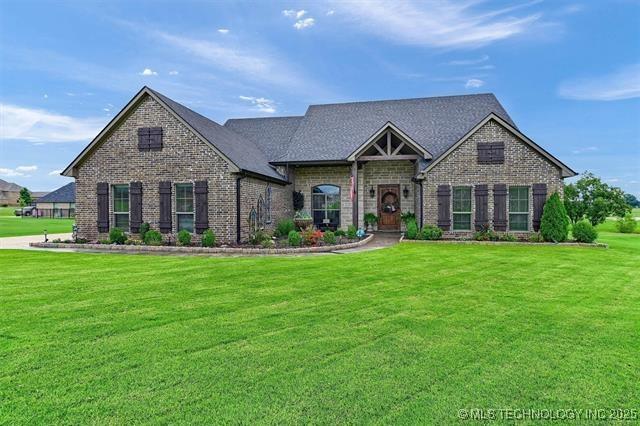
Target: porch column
354,196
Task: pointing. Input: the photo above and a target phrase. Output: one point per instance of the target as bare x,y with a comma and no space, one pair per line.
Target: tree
554,224
25,197
591,198
632,200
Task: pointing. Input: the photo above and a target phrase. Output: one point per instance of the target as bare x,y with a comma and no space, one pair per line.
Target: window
518,208
461,208
121,207
184,206
326,206
261,212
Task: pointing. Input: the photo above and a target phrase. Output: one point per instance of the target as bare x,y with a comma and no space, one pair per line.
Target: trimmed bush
184,238
626,224
584,232
430,232
340,233
294,239
486,234
329,238
144,228
117,236
267,244
554,225
412,230
208,238
153,238
284,227
352,232
258,237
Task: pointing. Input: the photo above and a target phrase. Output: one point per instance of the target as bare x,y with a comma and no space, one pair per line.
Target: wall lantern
372,192
405,191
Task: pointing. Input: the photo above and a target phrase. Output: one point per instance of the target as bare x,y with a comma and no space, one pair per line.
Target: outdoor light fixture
372,192
405,191
45,236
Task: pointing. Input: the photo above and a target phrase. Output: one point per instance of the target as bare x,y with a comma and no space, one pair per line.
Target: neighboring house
60,203
9,193
458,162
36,195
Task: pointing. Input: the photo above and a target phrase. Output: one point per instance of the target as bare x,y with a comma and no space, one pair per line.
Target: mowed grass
409,334
14,226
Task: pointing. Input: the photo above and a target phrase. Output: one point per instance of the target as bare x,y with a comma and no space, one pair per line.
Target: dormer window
150,138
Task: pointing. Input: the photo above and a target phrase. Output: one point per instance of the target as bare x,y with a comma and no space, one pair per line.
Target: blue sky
567,72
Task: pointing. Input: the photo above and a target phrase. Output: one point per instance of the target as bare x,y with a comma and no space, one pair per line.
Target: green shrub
554,225
294,239
485,234
284,227
267,244
430,232
153,238
258,237
370,219
412,230
144,228
584,232
507,237
535,238
340,233
208,238
407,217
104,242
329,237
184,238
117,236
626,224
352,232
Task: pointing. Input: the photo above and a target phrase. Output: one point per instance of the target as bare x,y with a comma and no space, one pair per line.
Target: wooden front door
389,207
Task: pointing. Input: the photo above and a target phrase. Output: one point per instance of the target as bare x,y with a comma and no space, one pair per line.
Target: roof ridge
406,99
264,118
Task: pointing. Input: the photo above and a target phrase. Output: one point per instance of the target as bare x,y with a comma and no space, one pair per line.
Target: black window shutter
539,198
155,138
484,153
500,207
482,201
201,190
143,138
497,153
444,207
165,207
135,198
103,207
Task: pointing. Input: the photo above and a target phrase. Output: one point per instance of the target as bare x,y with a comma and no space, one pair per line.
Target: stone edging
592,245
201,250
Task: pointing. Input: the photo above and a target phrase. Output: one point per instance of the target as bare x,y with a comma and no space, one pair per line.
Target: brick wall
522,167
281,202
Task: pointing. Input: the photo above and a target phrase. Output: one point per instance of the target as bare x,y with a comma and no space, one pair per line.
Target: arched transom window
326,206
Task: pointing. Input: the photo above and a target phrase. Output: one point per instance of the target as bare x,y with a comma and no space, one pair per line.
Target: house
9,193
60,203
458,162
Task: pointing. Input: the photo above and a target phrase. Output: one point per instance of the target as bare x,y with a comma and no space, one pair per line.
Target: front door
389,207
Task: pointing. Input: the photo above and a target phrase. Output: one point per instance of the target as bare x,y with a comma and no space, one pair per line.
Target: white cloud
148,71
304,23
476,61
474,83
173,72
331,12
9,172
46,96
621,84
223,30
55,172
261,104
36,125
437,23
27,168
584,150
297,14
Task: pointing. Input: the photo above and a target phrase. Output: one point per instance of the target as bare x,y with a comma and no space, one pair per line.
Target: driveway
23,241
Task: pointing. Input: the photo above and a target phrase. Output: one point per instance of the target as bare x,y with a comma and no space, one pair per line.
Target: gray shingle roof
271,134
65,194
242,152
334,131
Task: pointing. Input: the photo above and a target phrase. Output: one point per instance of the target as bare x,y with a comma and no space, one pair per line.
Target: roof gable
390,127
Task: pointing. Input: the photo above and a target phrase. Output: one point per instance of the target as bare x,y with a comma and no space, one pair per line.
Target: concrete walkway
23,241
380,240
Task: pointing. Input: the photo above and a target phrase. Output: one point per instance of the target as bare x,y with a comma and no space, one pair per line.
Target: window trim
119,213
192,213
454,212
519,213
339,210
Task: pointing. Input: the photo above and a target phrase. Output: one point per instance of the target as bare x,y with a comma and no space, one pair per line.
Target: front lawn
13,226
407,334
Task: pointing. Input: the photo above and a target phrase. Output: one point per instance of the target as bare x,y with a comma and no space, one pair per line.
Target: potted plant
302,219
370,220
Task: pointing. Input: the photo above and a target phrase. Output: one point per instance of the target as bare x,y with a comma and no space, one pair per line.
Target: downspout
421,204
238,215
